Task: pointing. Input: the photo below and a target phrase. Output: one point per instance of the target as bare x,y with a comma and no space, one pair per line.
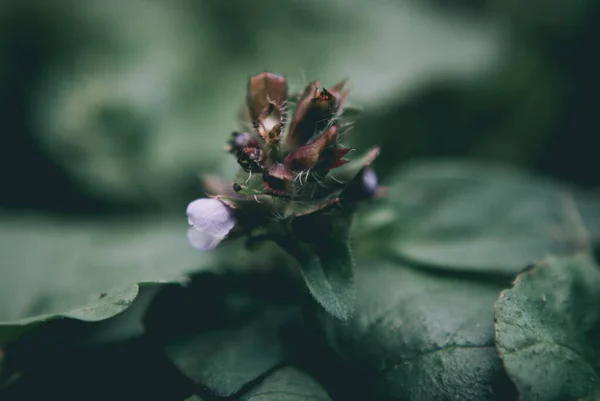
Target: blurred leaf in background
84,271
143,100
536,109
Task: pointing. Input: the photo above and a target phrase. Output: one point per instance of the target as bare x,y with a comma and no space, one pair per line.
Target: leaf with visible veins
426,337
548,330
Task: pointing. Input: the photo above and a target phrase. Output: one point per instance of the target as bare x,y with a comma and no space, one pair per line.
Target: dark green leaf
287,384
325,259
547,330
338,267
474,217
227,358
330,279
425,337
85,271
113,134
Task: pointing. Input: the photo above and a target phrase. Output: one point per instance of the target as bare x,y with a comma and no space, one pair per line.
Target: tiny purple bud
211,222
369,179
363,186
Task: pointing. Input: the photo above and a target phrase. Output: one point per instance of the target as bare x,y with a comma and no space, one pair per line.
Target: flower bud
314,112
278,179
363,186
338,94
211,222
250,159
369,181
306,157
297,125
265,88
333,158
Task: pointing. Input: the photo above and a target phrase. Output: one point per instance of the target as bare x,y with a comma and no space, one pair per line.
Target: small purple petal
369,179
210,216
201,240
211,221
362,187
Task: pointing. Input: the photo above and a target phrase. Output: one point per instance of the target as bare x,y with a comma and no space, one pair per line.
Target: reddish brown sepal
307,156
265,88
278,179
296,125
314,118
339,94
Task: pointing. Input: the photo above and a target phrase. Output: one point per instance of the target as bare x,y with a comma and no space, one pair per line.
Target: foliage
468,279
424,326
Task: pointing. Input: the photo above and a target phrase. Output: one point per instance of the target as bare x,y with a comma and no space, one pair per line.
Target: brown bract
278,179
314,112
339,94
298,125
306,157
265,88
333,157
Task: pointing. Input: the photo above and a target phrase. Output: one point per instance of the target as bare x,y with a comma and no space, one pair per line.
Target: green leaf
473,217
229,330
325,259
424,337
87,271
227,358
547,329
287,384
330,279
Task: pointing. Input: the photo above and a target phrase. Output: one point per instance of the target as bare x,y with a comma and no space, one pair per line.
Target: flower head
296,185
289,168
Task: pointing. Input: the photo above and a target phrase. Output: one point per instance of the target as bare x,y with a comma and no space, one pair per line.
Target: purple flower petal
369,179
201,240
211,221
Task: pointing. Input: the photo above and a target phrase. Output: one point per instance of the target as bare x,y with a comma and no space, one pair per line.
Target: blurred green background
113,107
